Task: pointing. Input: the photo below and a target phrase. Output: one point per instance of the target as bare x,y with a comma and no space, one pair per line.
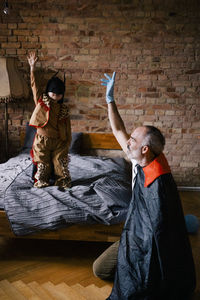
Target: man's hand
109,83
32,59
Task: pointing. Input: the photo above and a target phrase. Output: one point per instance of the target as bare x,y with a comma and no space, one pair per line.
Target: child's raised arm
32,59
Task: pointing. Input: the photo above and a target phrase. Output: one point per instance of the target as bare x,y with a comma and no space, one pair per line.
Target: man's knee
104,266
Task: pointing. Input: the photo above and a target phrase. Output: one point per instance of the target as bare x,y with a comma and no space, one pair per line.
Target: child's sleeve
34,88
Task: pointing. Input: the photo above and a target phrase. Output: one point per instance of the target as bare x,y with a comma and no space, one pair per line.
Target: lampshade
12,84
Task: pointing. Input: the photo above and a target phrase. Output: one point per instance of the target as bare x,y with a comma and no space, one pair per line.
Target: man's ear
145,149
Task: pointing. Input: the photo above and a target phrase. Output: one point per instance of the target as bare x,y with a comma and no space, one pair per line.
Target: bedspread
9,171
100,193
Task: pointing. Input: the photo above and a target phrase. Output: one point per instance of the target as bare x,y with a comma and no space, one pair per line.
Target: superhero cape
155,259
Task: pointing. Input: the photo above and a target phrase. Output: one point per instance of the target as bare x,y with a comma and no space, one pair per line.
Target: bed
98,200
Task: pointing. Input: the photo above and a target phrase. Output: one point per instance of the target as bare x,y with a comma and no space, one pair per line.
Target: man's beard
129,154
135,154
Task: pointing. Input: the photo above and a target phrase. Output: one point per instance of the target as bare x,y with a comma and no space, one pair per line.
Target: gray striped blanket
100,193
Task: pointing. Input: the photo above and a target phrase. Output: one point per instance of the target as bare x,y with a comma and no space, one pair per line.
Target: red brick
11,51
5,32
12,38
22,38
21,32
152,95
10,45
3,39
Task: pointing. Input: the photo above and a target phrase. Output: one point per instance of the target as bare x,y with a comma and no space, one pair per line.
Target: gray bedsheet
100,193
9,171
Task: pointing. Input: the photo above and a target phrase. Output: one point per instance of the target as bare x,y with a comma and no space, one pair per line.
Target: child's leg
42,175
60,162
41,158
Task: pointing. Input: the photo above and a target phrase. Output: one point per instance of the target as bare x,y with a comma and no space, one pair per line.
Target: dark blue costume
154,259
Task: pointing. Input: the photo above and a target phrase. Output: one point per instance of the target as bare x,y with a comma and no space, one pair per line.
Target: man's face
54,96
134,144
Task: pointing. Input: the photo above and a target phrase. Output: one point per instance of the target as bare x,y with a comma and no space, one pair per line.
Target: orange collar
156,168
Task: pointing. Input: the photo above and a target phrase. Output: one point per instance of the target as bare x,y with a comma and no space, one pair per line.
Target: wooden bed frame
82,232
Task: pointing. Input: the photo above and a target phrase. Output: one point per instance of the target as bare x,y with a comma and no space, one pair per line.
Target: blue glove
109,83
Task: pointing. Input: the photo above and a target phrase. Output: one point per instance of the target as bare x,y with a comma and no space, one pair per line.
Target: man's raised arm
115,119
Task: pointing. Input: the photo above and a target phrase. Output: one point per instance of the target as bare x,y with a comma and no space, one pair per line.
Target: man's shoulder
164,183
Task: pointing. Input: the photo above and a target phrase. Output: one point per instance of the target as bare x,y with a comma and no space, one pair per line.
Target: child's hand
32,59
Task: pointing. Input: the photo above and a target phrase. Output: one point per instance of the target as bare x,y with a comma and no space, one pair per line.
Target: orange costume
52,140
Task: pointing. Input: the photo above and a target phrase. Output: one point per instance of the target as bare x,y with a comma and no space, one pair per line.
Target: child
53,136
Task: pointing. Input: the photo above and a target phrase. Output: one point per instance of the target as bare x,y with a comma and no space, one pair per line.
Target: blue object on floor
192,223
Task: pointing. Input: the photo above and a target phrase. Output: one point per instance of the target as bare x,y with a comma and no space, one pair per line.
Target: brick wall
154,46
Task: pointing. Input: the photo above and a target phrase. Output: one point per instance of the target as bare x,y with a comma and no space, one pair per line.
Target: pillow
29,137
75,147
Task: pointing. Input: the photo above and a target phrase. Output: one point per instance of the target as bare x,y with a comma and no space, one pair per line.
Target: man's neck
145,161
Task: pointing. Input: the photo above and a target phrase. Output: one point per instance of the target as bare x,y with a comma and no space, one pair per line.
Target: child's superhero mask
56,86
